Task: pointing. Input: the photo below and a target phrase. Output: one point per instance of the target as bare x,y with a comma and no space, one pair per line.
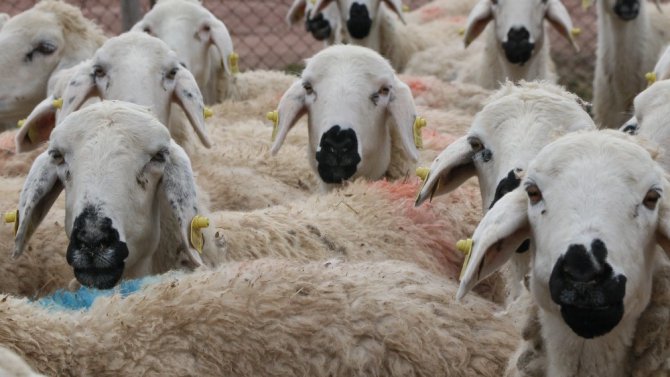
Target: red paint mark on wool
417,86
430,13
7,142
433,139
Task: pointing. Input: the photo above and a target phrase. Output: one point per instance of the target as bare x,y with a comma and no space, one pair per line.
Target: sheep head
321,25
119,169
360,15
595,205
349,92
519,25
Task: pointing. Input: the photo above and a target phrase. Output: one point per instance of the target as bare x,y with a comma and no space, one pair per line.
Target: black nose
587,289
627,9
318,26
337,156
95,251
359,22
518,48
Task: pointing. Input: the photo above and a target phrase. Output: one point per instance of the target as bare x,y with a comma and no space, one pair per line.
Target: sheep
630,38
591,293
514,125
35,45
11,365
369,23
124,68
316,319
3,18
516,46
325,26
358,109
201,41
89,156
662,68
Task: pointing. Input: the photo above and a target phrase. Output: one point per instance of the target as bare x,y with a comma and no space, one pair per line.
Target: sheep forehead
30,25
337,62
128,125
653,99
166,12
135,45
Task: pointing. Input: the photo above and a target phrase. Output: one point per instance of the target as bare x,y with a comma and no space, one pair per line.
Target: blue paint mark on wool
84,297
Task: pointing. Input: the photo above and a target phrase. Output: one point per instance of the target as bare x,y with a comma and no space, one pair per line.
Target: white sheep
3,18
662,68
516,45
511,129
11,365
201,41
630,38
36,44
361,116
314,319
591,292
325,26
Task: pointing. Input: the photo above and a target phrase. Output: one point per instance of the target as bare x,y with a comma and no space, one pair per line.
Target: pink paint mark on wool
431,13
7,142
417,85
435,140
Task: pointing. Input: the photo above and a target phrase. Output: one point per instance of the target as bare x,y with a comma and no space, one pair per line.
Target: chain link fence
265,41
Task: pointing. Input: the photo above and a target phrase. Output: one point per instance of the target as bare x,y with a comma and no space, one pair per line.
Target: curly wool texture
316,319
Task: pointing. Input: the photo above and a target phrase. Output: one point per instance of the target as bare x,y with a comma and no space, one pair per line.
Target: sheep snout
627,10
359,23
96,252
588,291
518,47
337,155
318,26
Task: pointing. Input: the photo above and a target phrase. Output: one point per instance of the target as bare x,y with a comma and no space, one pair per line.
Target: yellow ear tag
586,4
575,31
20,123
197,241
405,8
461,31
13,217
57,103
233,60
419,123
274,117
422,172
651,77
465,247
207,112
313,2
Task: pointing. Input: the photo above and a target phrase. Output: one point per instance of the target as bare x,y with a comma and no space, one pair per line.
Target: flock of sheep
195,239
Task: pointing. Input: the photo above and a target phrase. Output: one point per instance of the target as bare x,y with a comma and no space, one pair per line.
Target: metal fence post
131,12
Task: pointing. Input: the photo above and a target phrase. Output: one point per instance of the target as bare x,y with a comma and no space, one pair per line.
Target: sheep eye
630,129
384,91
98,71
147,30
45,48
308,88
534,193
651,199
56,156
160,156
172,73
475,144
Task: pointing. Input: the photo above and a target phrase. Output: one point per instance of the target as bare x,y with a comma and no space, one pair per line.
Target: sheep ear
663,231
187,95
500,233
80,88
37,127
559,18
291,108
296,12
179,190
4,17
320,6
39,192
478,18
402,109
396,7
449,170
220,37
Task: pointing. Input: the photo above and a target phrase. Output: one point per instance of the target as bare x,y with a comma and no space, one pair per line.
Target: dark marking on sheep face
318,26
587,289
359,22
142,181
505,186
337,157
518,48
525,246
96,252
627,10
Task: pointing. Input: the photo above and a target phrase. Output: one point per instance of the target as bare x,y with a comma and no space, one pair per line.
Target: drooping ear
80,88
559,18
37,127
291,108
320,6
178,187
3,18
500,233
403,111
39,192
396,7
297,12
217,33
449,170
478,18
187,95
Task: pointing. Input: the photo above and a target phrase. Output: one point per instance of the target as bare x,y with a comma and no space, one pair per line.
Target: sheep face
519,25
651,117
141,69
349,92
193,32
360,16
322,25
31,48
594,233
505,136
117,165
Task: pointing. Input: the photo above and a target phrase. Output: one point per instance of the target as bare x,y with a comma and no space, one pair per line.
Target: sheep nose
518,48
359,23
578,266
337,156
318,26
518,34
627,9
